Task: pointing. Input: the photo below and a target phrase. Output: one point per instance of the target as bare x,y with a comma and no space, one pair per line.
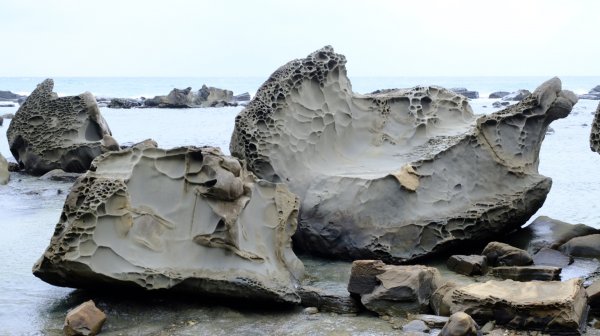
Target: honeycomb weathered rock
396,174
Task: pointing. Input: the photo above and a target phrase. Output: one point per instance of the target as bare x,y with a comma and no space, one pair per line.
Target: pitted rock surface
398,174
595,134
186,219
50,132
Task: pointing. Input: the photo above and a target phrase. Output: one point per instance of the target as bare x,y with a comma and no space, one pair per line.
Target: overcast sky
253,38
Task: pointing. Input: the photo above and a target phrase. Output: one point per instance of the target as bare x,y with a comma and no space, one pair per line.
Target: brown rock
593,293
84,319
460,324
500,254
467,265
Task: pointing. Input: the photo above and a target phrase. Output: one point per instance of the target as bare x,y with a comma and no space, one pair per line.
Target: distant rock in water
595,133
244,97
186,98
9,96
65,133
499,94
7,105
594,94
517,95
466,93
188,220
399,174
124,103
4,174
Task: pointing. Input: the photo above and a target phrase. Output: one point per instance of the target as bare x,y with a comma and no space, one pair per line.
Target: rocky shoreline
396,181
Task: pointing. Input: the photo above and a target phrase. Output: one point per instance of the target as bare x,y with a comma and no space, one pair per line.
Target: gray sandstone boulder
211,97
398,174
517,95
65,133
593,293
393,290
186,220
549,306
584,246
500,254
4,174
499,94
467,264
527,273
595,133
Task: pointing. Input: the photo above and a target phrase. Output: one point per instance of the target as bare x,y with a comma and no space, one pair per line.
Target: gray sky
253,38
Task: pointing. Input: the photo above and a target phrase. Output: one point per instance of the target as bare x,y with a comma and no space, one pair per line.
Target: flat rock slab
397,174
527,273
549,306
188,220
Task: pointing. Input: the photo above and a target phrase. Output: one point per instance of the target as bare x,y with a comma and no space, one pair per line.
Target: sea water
30,208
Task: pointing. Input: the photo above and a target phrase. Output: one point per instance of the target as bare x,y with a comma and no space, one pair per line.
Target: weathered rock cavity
397,174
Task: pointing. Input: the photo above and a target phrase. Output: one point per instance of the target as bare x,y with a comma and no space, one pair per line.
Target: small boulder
527,273
499,94
85,319
468,264
60,175
393,290
416,326
4,175
550,257
517,95
585,246
500,254
440,298
460,324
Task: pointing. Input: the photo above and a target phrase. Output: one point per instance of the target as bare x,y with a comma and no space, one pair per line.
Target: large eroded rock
50,132
397,174
186,219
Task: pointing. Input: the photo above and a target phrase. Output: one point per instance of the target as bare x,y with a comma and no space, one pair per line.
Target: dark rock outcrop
467,93
547,232
9,96
550,257
593,94
499,104
500,254
187,220
65,133
467,264
499,94
527,273
244,97
186,98
124,103
517,95
399,174
328,302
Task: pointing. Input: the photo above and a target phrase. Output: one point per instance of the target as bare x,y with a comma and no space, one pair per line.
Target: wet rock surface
550,257
307,128
328,301
549,306
500,254
187,220
583,246
393,290
65,133
527,273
